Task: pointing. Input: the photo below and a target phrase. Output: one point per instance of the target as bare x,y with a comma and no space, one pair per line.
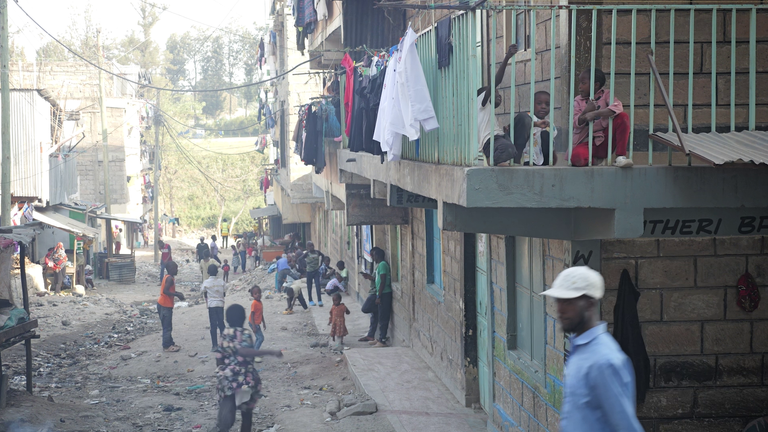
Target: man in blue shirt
283,270
599,379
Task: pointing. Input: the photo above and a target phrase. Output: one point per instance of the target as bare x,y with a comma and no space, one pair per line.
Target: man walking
215,249
599,382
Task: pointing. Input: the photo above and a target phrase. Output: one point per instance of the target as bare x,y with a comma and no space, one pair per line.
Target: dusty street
99,364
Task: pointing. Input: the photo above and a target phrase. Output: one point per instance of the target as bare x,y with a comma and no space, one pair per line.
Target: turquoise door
484,330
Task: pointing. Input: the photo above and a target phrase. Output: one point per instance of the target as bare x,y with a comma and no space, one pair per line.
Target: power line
198,22
165,114
163,88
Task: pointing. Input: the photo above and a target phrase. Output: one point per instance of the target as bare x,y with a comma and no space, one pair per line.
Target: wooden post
25,298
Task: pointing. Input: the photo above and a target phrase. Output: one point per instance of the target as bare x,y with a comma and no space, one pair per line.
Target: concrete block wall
437,330
67,80
702,66
521,401
708,357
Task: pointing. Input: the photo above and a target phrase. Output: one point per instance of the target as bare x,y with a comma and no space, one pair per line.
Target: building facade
473,247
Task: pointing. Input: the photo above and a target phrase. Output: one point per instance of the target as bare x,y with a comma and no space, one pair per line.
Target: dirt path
99,365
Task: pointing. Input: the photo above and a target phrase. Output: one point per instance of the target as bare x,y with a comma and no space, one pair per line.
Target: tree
149,52
17,52
51,51
177,56
213,73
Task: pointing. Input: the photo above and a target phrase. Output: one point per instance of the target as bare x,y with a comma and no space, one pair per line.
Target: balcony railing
711,57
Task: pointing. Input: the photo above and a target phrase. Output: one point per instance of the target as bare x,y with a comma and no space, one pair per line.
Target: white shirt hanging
406,105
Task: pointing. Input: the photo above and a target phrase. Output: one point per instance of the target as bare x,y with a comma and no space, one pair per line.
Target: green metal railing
454,89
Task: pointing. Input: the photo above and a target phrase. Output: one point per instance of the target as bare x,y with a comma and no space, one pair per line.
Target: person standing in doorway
600,381
224,233
118,241
165,306
313,258
165,257
214,249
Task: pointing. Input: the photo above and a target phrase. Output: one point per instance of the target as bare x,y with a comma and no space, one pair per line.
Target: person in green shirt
381,288
344,273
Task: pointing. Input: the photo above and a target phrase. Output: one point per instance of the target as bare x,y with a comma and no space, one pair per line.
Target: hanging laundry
406,105
627,332
322,9
309,155
270,119
349,90
444,43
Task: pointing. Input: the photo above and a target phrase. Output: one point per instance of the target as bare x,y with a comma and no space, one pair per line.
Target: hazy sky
119,17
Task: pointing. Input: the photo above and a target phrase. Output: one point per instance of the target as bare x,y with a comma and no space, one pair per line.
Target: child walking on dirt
256,319
238,380
337,321
225,269
235,258
165,305
214,290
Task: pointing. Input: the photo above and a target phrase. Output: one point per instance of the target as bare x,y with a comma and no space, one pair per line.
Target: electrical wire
175,133
196,21
165,114
163,88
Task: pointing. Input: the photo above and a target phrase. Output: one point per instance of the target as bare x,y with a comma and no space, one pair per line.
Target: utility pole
104,131
5,122
156,179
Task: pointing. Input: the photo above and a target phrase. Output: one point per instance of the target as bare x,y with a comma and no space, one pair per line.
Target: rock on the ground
125,357
314,344
78,290
66,322
332,407
349,400
361,409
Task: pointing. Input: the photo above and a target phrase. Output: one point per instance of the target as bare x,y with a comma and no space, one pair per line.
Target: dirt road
99,365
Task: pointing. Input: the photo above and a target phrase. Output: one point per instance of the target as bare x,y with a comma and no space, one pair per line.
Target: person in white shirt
214,290
503,149
544,132
335,285
118,241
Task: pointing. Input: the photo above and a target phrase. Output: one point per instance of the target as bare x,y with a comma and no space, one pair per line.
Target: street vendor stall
83,234
16,325
120,267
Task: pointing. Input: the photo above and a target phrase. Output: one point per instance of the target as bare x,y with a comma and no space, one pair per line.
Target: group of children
595,108
236,349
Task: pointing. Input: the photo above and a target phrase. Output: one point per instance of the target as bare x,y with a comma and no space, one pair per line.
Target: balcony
717,86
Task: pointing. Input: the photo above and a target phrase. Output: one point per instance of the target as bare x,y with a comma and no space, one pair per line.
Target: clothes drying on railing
317,121
406,105
367,96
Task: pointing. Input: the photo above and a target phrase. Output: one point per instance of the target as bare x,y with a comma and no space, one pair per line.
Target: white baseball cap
576,282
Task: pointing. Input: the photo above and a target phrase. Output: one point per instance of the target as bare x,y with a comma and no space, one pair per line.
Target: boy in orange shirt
165,305
256,319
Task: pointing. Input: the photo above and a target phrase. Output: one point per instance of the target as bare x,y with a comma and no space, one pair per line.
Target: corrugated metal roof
30,136
64,223
122,218
721,148
270,210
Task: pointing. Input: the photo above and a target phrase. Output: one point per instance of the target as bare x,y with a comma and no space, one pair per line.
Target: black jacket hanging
444,43
626,331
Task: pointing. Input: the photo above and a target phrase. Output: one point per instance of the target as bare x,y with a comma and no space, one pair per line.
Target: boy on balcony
503,149
598,110
544,133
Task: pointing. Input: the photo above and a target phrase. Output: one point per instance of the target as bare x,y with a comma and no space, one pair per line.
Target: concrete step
409,393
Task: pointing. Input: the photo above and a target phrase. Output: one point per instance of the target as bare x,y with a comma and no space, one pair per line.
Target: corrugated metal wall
30,138
63,178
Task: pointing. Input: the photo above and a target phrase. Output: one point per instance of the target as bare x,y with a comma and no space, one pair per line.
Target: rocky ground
99,364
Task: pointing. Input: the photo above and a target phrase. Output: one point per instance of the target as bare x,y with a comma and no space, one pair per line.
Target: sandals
288,312
366,339
173,348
